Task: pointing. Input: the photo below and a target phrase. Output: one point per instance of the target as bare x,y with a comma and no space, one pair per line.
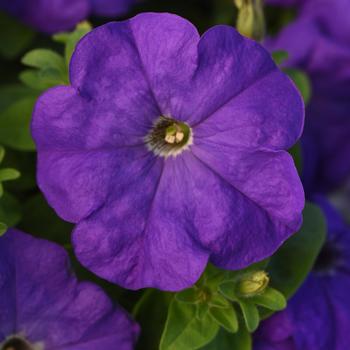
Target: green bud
252,284
250,20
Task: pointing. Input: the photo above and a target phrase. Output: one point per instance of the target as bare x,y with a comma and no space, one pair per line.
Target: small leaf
225,317
271,299
183,330
250,314
9,174
188,295
279,56
217,300
227,289
42,79
50,69
302,82
43,58
224,340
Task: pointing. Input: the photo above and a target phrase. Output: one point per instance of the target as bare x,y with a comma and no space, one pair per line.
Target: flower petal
268,113
82,314
141,238
134,70
260,201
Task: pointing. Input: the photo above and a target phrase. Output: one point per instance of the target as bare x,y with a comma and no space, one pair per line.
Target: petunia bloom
43,306
318,316
324,53
168,150
52,16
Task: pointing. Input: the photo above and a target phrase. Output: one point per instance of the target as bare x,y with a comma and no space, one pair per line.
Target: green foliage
217,301
301,81
224,340
14,37
15,125
250,314
151,314
289,267
296,153
185,330
70,40
49,69
9,206
279,57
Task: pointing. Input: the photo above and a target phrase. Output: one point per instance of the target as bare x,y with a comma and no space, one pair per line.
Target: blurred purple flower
318,42
170,152
52,16
43,306
318,316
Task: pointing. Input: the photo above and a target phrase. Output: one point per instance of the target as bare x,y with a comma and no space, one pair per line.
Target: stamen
168,137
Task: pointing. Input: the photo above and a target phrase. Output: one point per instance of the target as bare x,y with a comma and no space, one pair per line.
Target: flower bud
250,20
253,283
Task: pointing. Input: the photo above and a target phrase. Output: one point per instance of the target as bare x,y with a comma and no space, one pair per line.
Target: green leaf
42,79
225,317
11,93
217,300
44,58
279,57
10,210
71,39
51,69
183,330
228,290
271,299
3,228
150,313
188,295
231,341
201,310
14,37
289,267
302,82
9,174
250,314
15,125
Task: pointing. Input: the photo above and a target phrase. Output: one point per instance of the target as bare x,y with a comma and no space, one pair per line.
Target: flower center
168,137
16,343
329,259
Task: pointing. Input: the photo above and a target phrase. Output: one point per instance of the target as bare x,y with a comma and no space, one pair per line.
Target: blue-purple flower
324,53
318,316
51,16
43,306
168,153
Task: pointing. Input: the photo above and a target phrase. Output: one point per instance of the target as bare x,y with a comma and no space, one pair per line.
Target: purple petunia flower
52,16
324,53
43,306
318,316
168,150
